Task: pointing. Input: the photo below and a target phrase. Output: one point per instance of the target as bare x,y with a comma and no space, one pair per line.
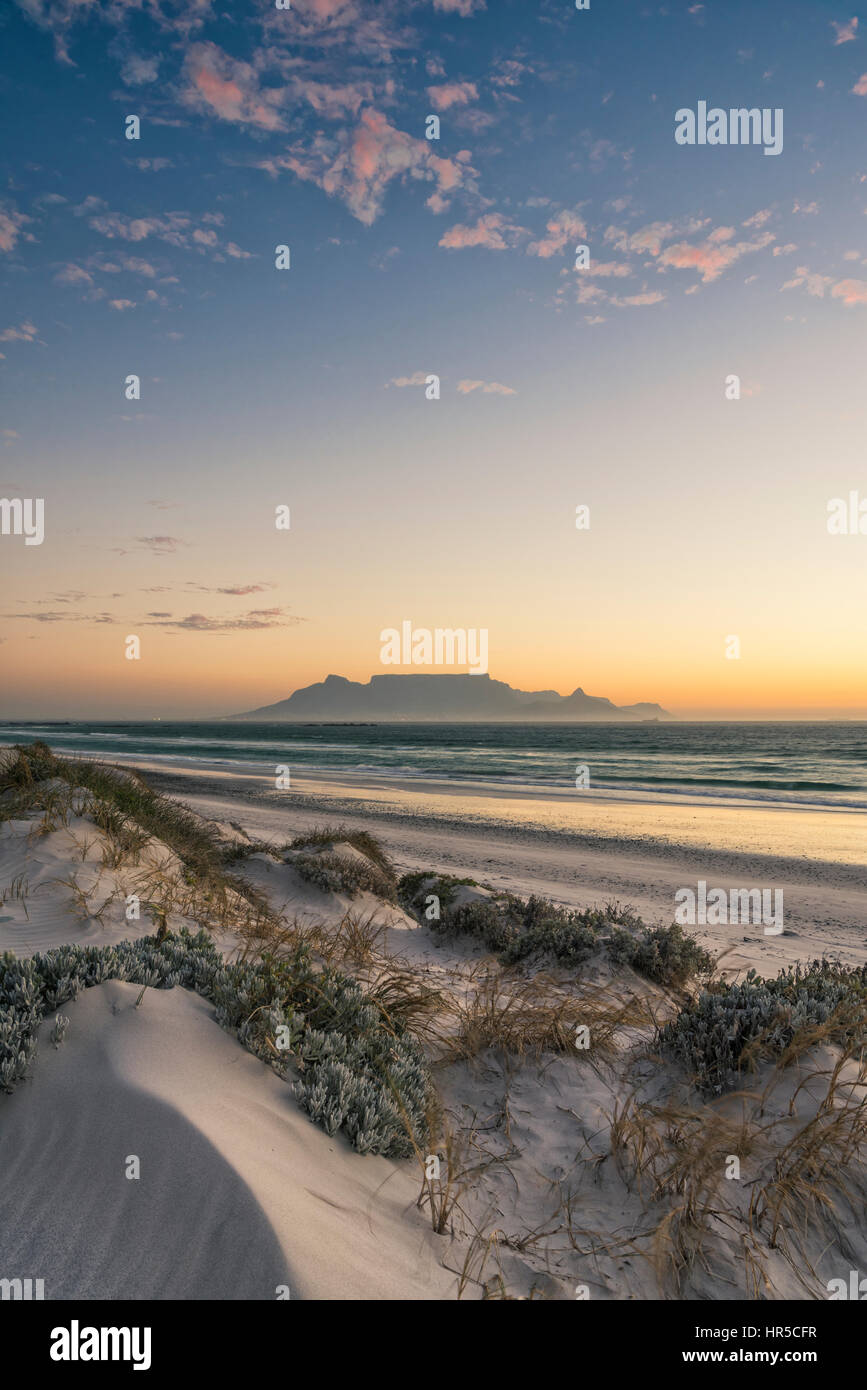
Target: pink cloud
452,94
25,333
417,379
638,300
713,255
562,228
860,88
72,274
488,388
230,88
11,222
851,292
333,102
464,8
171,227
845,32
815,285
488,232
648,240
607,268
358,165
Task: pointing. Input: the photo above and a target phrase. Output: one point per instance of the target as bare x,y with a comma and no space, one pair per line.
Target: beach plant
359,1070
336,873
316,857
666,955
58,1032
132,816
539,930
415,887
730,1028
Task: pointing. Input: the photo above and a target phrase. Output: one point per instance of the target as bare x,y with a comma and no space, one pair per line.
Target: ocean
810,764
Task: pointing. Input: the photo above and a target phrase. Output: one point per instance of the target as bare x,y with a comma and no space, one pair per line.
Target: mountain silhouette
450,698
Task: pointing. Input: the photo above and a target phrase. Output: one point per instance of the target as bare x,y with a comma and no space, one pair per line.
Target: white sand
240,1193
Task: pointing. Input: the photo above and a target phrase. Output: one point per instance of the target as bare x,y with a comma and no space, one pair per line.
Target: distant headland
446,698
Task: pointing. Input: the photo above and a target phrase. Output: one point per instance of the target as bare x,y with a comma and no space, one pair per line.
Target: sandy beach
580,851
545,1151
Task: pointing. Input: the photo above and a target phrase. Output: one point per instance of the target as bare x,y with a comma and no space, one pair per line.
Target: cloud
58,17
121,304
258,619
171,227
24,333
11,223
72,274
464,8
452,94
608,268
714,255
488,388
160,545
137,71
508,72
815,285
845,32
758,219
637,300
175,228
649,240
562,228
235,589
417,379
229,88
63,616
357,165
491,231
860,88
850,291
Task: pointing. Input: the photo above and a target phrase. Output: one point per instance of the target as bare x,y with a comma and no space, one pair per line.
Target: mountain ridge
441,699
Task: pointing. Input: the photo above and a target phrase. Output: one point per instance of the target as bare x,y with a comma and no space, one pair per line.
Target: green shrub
334,873
730,1028
664,954
538,929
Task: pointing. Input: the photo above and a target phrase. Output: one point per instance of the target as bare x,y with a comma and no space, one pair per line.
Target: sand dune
239,1193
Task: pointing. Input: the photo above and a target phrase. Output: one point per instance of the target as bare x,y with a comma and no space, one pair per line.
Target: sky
603,385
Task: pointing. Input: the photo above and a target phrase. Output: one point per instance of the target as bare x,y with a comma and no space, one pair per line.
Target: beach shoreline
636,855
